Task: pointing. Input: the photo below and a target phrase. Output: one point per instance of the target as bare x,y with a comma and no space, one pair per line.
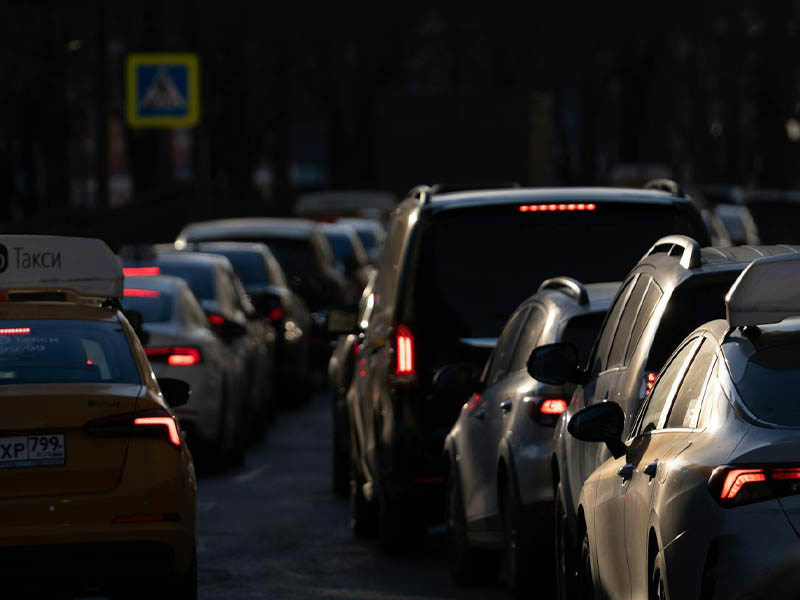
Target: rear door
483,428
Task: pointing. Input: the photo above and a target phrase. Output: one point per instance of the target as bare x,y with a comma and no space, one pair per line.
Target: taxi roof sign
85,266
767,291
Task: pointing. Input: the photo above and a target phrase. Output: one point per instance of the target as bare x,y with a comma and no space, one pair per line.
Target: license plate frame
35,450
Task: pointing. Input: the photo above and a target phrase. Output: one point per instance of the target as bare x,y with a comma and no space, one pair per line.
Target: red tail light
141,271
649,382
544,410
275,315
216,320
176,356
570,207
356,348
404,352
739,485
474,402
15,331
136,293
156,423
167,422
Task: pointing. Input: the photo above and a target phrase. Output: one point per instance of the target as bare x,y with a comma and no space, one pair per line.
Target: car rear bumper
201,415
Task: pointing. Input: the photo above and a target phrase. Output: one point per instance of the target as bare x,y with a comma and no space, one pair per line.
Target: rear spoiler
84,266
767,291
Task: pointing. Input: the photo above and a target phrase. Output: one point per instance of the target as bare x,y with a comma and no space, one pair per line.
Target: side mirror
175,391
343,320
136,320
556,364
455,382
603,422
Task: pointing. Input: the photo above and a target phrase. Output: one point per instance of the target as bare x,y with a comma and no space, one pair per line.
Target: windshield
65,351
478,265
768,383
153,305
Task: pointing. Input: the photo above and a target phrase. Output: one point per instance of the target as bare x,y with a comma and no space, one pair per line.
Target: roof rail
665,185
568,285
690,255
767,291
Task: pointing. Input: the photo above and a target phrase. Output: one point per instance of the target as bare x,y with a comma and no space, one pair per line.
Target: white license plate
32,451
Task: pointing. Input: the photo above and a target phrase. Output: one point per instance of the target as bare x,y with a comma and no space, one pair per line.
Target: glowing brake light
649,382
15,331
275,315
167,422
405,351
141,271
553,406
545,411
175,356
736,486
216,320
569,207
135,293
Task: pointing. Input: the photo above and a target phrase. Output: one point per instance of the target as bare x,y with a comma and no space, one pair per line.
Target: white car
179,343
703,498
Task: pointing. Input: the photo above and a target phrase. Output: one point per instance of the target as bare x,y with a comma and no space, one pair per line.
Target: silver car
179,343
703,498
499,451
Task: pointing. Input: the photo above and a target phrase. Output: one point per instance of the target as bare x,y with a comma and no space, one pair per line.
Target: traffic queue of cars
618,434
132,367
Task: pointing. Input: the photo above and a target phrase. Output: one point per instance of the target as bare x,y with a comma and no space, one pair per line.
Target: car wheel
518,563
362,513
564,551
658,587
585,581
341,458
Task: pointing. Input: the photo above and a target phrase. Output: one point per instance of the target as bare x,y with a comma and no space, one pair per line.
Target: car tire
341,457
463,560
362,513
585,584
564,550
518,562
658,587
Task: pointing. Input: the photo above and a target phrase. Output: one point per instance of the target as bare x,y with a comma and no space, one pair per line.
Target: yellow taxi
97,486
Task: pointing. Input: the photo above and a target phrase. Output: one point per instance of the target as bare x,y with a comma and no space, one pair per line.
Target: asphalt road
274,529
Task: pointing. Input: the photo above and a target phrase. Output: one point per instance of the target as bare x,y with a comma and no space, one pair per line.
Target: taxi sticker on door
32,451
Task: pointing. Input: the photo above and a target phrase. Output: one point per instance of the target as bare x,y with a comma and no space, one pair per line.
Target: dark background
353,94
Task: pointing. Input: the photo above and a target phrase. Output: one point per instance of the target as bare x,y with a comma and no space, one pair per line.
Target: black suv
455,266
674,289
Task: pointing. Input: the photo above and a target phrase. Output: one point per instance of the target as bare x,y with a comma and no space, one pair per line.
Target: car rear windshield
153,305
65,351
367,238
477,265
249,266
768,384
199,277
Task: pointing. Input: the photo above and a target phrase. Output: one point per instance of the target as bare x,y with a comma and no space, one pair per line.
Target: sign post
163,90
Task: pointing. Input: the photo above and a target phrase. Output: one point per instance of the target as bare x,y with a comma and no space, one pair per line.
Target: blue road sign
163,90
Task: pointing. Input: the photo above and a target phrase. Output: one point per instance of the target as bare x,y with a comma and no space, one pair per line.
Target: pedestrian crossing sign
163,90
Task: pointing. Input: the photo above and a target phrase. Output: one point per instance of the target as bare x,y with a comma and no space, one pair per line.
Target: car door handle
506,405
650,470
626,471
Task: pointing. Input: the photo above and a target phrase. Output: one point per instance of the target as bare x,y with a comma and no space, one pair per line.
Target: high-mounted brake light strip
16,331
141,271
136,293
572,206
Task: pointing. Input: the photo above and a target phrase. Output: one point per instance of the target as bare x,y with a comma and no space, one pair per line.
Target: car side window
603,346
685,409
505,345
528,339
626,321
665,388
651,299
